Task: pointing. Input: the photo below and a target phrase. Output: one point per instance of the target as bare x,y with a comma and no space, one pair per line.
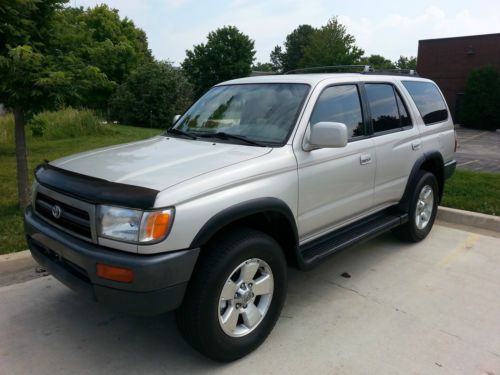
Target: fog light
123,275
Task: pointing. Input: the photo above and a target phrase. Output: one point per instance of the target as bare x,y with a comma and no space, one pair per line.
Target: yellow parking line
461,249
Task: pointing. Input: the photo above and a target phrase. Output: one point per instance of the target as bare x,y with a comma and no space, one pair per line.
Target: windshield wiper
181,132
223,135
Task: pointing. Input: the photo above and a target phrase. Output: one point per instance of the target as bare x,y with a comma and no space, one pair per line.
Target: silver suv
261,173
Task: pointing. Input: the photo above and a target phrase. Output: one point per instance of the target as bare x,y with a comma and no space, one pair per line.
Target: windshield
258,112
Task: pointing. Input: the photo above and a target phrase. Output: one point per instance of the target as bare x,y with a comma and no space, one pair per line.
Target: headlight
125,224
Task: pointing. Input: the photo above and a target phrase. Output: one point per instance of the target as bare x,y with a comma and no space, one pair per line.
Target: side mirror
176,117
327,135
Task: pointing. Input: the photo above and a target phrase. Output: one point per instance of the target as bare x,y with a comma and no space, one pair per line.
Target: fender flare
241,210
434,156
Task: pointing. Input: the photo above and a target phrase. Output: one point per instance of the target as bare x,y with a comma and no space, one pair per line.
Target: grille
71,218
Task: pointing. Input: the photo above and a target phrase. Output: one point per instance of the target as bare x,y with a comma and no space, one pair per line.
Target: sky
388,28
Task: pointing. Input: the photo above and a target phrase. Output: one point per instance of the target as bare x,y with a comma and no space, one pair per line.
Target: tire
232,257
420,217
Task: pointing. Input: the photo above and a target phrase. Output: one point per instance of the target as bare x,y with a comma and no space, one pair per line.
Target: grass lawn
473,191
39,149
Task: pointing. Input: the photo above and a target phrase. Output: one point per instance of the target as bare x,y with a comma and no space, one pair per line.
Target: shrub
151,96
481,102
67,123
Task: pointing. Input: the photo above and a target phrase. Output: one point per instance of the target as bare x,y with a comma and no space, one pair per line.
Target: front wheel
423,209
235,296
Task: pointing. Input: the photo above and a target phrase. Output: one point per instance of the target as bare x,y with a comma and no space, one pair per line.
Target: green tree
295,44
262,67
24,69
227,54
377,62
406,63
52,56
102,39
331,45
481,109
276,58
96,42
151,96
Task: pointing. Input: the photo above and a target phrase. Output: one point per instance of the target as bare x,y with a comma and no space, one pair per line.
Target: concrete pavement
428,308
478,150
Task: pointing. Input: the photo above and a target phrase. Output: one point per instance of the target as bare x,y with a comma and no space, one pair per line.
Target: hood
158,163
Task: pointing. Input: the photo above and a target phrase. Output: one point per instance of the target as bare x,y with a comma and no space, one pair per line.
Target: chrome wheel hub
245,297
425,205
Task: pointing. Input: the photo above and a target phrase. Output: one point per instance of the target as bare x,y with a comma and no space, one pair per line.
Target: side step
312,253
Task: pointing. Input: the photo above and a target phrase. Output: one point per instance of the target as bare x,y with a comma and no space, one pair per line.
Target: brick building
448,61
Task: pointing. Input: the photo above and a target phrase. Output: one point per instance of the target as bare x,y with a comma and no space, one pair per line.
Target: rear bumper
159,283
449,168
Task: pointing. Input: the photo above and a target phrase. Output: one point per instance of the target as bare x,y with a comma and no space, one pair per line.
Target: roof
314,78
496,35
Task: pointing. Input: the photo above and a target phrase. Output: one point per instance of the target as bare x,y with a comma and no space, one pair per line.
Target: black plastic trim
449,169
314,252
240,211
94,190
404,204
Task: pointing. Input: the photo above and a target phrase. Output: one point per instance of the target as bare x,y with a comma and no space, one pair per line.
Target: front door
336,184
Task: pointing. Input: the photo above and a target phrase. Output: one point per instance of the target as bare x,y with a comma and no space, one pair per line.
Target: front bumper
159,283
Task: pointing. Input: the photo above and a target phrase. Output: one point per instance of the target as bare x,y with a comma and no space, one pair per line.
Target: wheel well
273,224
435,167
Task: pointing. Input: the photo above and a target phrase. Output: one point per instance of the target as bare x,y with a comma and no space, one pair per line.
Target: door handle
416,145
365,159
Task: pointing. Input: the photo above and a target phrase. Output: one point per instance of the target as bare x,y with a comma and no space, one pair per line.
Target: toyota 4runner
259,174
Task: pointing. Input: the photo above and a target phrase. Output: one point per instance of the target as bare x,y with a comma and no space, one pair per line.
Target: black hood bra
94,190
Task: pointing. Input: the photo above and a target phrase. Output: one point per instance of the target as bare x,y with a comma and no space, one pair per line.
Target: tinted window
383,107
340,104
428,100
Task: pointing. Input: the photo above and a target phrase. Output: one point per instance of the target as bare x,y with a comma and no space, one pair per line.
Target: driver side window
340,104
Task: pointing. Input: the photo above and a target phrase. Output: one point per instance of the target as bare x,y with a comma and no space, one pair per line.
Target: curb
468,218
12,257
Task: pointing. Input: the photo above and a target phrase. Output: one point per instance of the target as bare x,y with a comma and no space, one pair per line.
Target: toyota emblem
56,211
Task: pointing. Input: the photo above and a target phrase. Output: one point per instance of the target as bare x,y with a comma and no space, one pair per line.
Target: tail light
456,141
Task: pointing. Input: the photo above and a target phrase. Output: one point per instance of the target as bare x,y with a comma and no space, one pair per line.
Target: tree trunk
21,160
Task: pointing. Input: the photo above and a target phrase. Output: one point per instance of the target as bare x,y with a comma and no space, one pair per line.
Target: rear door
397,141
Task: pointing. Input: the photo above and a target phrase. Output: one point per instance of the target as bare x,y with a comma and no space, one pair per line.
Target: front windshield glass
259,112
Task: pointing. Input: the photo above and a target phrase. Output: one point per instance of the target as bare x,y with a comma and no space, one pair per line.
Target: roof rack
330,68
362,69
393,72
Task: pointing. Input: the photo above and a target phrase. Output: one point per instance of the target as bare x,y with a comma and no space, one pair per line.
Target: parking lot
478,150
429,308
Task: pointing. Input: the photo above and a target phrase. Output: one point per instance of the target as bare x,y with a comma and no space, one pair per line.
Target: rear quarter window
428,100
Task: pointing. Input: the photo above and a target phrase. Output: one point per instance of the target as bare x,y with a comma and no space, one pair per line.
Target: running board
314,252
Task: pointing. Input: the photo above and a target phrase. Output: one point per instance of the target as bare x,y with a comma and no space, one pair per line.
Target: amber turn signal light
155,225
123,275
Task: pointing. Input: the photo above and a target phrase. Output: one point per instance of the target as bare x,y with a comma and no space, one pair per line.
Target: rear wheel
235,296
423,209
